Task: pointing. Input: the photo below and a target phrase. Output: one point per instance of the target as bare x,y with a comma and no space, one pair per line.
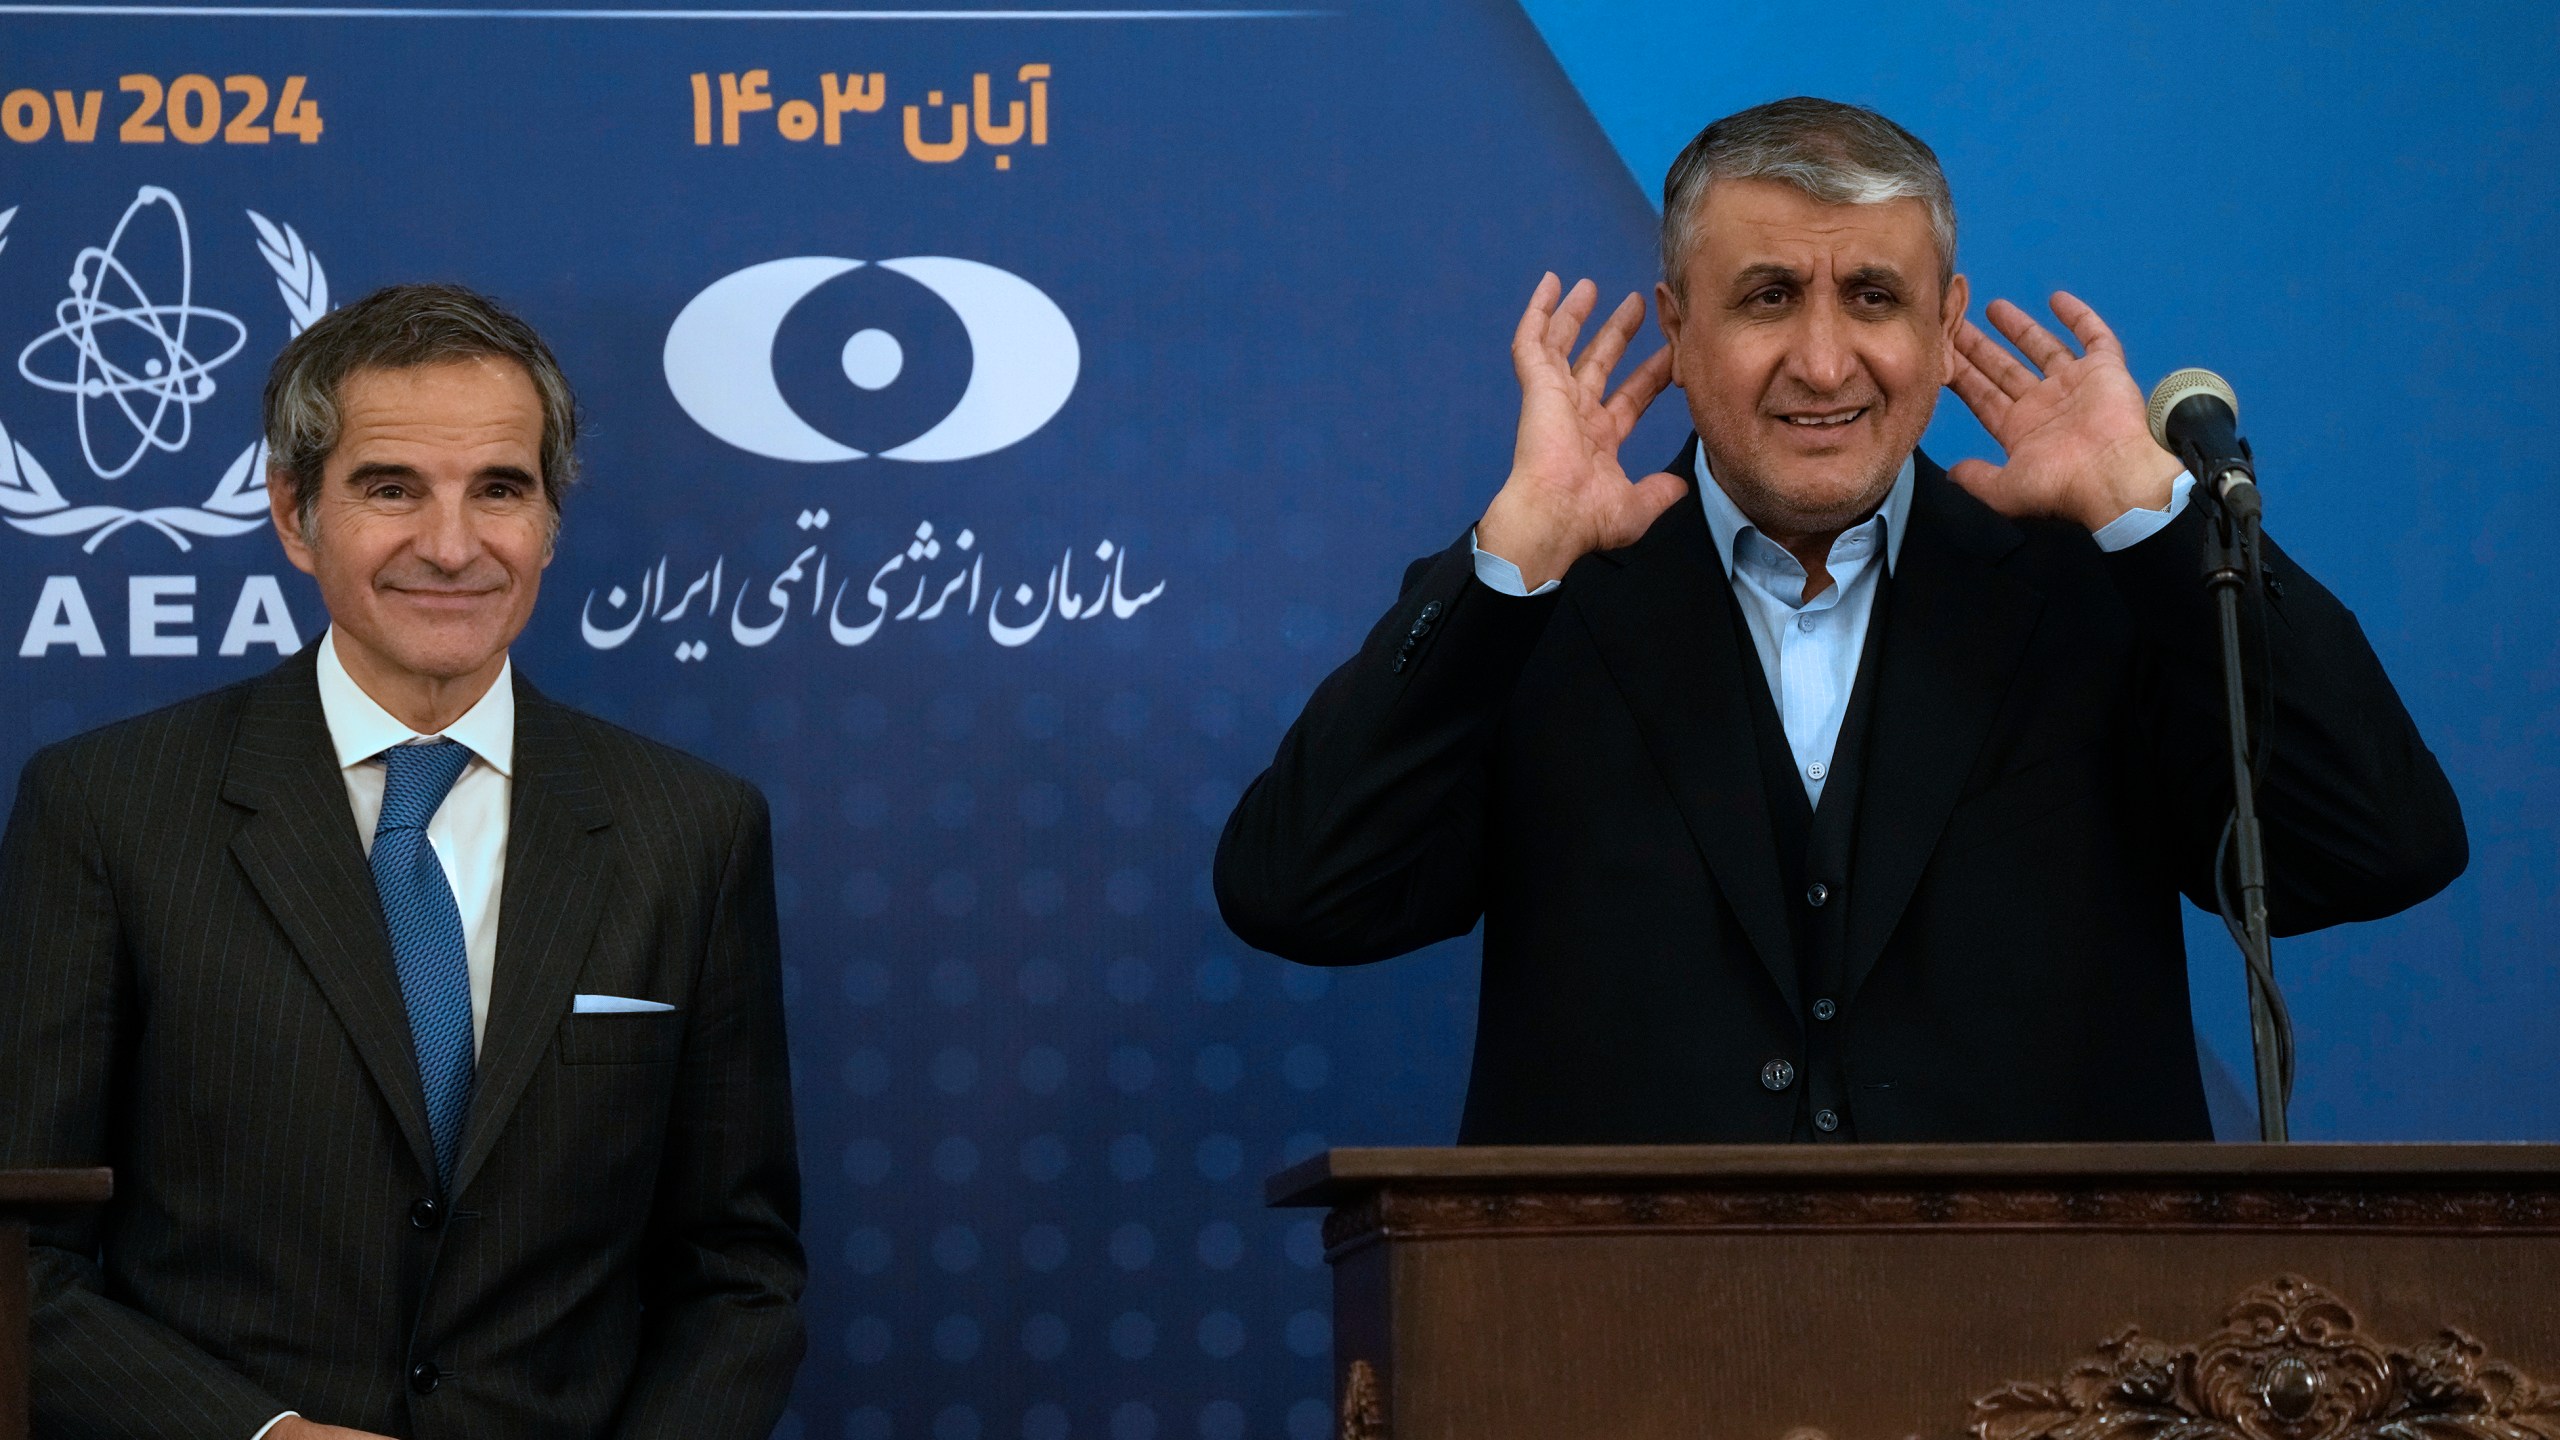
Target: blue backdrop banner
1000,419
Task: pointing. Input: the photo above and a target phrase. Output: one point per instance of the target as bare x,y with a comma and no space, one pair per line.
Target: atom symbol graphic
109,322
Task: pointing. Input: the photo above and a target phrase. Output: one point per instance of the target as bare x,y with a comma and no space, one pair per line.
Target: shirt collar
359,728
1726,522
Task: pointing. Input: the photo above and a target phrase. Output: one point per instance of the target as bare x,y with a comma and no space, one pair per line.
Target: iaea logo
135,352
719,359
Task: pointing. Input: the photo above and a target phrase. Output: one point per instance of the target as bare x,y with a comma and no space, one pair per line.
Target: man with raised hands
1806,790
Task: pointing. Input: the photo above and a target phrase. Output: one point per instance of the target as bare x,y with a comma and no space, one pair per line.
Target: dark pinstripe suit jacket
196,988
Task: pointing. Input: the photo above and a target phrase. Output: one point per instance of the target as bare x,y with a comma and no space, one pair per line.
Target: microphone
2195,417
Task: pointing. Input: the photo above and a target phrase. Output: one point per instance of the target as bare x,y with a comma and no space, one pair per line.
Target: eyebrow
385,470
1754,276
1769,270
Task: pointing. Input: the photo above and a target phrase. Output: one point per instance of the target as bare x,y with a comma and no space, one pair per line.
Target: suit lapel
547,912
1953,636
1660,612
300,850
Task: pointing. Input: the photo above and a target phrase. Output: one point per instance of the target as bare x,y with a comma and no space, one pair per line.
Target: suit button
1816,894
1777,1075
426,1215
1826,1121
423,1377
1825,1008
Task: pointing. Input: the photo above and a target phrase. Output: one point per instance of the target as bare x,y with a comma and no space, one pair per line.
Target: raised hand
2078,443
1567,494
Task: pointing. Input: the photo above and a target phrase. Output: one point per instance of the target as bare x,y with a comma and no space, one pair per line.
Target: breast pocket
652,1037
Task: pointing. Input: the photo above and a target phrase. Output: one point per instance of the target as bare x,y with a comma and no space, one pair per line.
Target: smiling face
1811,340
431,529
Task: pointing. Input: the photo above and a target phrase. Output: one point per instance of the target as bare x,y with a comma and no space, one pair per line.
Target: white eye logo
719,359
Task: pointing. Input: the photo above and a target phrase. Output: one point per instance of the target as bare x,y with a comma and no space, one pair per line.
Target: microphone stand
2229,559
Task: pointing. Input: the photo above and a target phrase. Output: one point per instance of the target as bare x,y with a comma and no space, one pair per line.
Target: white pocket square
613,1005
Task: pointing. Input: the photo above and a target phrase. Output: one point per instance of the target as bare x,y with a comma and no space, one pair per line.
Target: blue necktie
426,936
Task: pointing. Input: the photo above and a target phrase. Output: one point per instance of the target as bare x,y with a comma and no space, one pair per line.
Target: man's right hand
1567,495
294,1427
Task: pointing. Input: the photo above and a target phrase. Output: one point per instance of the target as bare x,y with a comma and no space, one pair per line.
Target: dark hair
396,328
1838,154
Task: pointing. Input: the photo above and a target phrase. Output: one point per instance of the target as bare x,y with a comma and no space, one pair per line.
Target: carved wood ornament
2288,1364
1364,1404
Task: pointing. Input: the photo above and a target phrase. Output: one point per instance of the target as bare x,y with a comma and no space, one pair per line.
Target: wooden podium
1877,1292
24,1193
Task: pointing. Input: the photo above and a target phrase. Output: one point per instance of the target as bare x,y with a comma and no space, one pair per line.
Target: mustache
1863,397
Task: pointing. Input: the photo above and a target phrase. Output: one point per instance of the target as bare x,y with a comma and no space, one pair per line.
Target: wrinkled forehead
473,407
1746,228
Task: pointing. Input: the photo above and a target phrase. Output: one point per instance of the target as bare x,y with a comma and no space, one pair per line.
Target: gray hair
396,328
1838,154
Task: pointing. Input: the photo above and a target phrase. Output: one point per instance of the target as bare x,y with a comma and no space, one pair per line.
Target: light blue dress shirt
1809,649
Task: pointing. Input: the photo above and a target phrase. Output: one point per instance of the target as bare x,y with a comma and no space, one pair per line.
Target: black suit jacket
2045,771
196,987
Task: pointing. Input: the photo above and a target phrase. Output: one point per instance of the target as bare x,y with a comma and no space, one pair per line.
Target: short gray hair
396,328
1838,154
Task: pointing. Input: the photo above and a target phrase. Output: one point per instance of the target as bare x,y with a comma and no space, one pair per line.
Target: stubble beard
1781,511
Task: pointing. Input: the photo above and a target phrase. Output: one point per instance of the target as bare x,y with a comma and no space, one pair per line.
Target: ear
1951,306
1666,312
284,507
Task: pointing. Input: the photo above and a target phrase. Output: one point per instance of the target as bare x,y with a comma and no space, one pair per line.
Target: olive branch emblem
30,501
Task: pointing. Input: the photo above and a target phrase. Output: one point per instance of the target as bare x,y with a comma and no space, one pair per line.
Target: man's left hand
294,1427
2078,440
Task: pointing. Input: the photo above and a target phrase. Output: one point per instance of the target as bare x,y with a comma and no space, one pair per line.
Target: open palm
1568,495
2079,446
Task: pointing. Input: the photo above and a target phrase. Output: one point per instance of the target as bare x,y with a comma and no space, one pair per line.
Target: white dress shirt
469,830
1809,649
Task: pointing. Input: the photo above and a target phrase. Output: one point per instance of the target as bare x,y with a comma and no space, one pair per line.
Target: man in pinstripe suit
434,1029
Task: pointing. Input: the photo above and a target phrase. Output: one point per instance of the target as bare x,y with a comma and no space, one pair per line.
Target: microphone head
2181,385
